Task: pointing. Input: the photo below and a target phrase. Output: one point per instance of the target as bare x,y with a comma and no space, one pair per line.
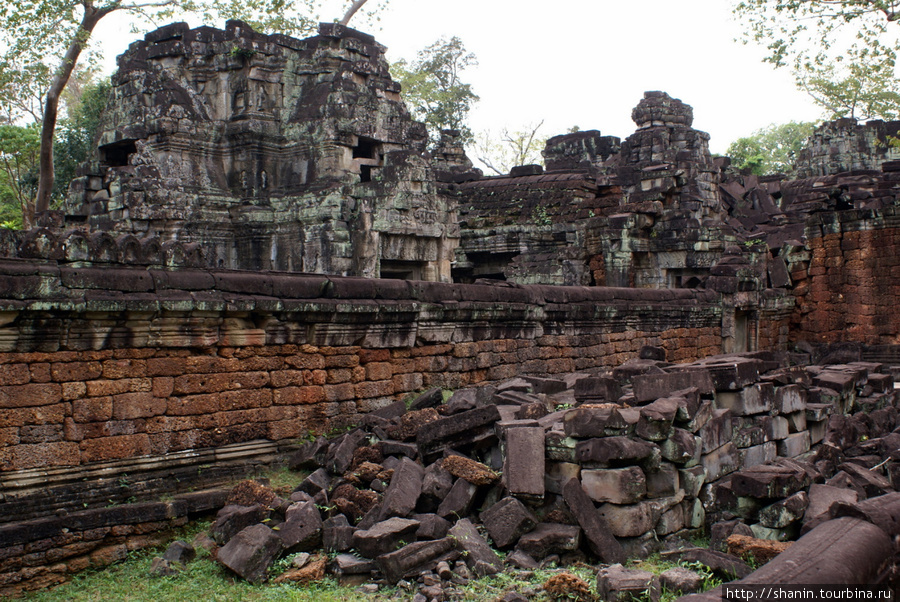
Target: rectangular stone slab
600,538
523,465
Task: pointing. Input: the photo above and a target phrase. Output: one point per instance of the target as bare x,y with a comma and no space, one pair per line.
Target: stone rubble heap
602,466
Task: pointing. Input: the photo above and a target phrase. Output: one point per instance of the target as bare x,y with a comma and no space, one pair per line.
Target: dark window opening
117,153
366,148
365,173
402,270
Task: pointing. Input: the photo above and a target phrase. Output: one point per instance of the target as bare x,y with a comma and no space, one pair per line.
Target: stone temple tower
273,152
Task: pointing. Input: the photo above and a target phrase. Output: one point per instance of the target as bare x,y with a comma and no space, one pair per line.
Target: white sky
588,62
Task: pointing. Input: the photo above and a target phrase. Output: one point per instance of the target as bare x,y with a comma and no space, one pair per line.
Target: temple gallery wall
263,247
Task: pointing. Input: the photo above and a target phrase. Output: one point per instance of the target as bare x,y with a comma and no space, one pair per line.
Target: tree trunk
357,4
51,106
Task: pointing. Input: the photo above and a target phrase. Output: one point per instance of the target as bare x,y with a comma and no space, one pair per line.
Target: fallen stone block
460,429
615,485
748,437
794,445
232,519
351,564
613,450
724,565
784,512
662,481
546,386
649,387
596,421
340,452
717,432
869,481
385,536
722,461
302,529
507,520
337,534
769,481
731,374
599,535
558,474
429,399
631,520
413,559
402,494
180,552
478,554
680,579
821,497
682,447
776,428
786,534
458,501
251,552
759,454
523,464
700,418
656,419
755,399
691,480
315,482
617,584
796,421
790,398
550,538
597,389
431,526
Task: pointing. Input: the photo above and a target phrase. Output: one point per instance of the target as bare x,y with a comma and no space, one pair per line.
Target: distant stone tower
273,152
667,160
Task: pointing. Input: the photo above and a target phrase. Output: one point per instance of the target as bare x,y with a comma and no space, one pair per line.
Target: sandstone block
784,512
649,387
722,461
479,555
550,538
655,422
523,464
302,529
769,481
618,584
403,492
601,421
717,432
794,445
251,552
458,501
599,535
613,449
337,534
413,558
507,520
618,486
759,454
755,399
385,536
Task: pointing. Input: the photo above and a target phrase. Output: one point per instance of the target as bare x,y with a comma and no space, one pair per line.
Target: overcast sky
588,62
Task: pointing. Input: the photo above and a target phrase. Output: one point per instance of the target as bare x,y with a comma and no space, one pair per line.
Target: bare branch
357,4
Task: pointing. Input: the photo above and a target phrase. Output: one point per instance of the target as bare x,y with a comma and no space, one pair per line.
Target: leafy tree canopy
433,88
842,52
772,149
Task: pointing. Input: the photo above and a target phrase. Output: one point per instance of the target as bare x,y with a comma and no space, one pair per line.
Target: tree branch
357,4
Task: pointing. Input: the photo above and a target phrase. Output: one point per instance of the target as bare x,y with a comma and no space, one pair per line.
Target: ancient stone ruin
637,343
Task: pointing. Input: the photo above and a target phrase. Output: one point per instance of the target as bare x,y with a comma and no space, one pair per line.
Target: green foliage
433,88
18,171
75,135
772,149
843,52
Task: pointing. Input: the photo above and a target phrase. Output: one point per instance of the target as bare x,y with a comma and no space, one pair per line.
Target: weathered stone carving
272,152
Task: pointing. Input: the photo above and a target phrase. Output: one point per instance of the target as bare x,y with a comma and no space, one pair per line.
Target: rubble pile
590,467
